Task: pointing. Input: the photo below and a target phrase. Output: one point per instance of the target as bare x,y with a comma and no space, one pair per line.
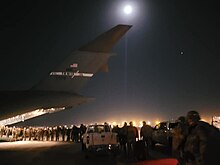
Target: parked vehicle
100,138
162,133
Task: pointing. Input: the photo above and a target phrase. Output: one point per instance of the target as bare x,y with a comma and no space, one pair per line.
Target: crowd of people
194,142
57,133
129,135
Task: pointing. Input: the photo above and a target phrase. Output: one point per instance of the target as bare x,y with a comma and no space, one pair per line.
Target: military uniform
131,137
195,145
178,139
146,133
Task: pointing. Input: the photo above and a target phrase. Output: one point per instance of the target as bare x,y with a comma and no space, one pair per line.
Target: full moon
127,9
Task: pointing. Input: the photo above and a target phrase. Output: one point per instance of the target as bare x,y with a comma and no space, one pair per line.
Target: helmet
193,115
181,119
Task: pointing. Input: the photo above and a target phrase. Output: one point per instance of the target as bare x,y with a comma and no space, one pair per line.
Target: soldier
75,133
123,137
115,129
7,131
106,127
30,133
68,133
25,133
57,133
146,134
14,133
199,135
178,138
1,131
131,137
63,132
42,134
52,134
82,130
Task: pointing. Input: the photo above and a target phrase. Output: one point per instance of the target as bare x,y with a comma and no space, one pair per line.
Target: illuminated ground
57,153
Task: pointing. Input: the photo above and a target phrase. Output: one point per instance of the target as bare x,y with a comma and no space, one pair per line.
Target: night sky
167,64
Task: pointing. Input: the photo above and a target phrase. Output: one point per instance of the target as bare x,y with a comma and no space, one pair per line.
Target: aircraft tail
73,73
106,41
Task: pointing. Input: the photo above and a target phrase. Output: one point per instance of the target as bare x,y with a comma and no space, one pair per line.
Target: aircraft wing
81,65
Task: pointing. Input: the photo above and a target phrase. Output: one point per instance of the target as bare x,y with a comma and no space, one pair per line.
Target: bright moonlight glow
127,9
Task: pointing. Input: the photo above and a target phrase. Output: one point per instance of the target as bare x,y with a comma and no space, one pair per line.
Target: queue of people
56,133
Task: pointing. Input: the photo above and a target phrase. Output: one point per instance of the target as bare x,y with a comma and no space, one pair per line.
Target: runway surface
63,153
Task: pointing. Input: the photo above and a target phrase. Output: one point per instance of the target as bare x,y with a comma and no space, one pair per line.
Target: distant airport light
134,123
122,123
157,122
140,123
114,123
149,123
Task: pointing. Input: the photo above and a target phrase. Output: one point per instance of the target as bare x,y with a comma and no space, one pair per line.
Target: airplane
59,89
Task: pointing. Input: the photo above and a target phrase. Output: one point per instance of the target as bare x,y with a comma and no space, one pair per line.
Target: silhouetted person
131,137
106,127
146,134
199,146
75,133
57,133
123,137
82,130
68,134
178,138
63,131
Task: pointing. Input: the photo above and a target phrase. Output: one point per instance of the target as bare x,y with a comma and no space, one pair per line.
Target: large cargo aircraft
59,89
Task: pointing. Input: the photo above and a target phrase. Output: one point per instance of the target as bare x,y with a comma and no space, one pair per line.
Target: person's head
131,123
125,124
181,119
144,122
192,117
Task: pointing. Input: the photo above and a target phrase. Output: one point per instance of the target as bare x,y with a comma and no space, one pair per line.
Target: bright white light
127,9
157,122
140,123
114,123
